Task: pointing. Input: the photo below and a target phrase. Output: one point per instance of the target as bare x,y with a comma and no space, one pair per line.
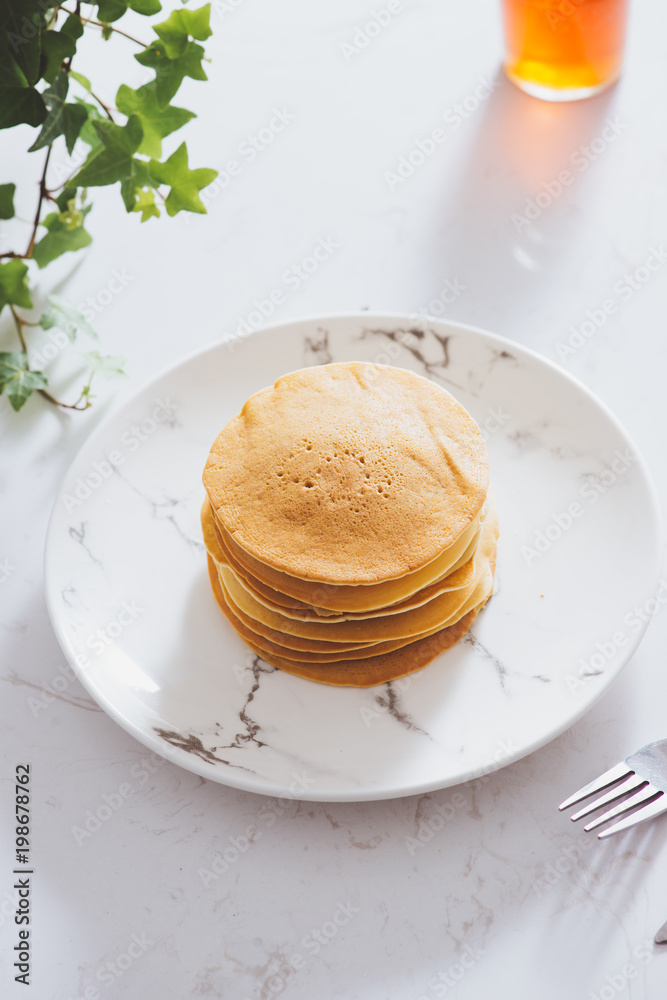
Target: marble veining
415,340
79,535
192,744
166,508
390,700
258,668
316,348
480,648
73,699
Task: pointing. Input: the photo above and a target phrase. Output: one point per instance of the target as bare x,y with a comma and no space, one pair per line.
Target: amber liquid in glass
564,49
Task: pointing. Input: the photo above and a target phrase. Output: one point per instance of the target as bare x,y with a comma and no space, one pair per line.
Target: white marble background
507,899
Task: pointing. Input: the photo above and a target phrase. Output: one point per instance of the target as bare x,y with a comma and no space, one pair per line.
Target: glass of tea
564,50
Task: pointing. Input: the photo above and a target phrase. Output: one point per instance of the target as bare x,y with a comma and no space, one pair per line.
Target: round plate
578,567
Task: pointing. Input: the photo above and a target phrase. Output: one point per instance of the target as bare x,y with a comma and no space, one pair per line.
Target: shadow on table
511,216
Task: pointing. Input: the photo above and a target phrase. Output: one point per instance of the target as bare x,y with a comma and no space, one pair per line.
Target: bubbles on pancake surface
348,472
336,472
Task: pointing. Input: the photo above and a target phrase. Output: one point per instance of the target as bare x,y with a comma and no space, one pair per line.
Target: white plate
578,564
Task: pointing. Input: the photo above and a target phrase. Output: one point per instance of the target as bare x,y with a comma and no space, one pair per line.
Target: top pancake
348,473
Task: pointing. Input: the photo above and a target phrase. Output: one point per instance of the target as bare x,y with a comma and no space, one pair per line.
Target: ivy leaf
107,365
65,317
72,216
64,198
147,7
112,161
169,73
74,118
62,119
111,10
83,80
137,178
23,24
131,189
11,74
141,174
18,106
73,26
156,122
56,46
185,184
145,203
7,201
54,98
60,238
17,380
175,32
14,285
88,133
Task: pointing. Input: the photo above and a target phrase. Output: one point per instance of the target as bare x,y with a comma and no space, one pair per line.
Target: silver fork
639,783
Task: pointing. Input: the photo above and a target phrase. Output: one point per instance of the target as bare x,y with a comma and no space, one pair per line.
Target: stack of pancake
349,531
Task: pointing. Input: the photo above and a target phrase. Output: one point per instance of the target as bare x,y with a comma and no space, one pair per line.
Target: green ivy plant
39,87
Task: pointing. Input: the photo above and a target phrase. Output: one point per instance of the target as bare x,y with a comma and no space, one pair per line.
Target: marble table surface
187,888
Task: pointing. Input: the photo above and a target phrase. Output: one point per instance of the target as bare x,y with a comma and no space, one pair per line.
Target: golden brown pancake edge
368,672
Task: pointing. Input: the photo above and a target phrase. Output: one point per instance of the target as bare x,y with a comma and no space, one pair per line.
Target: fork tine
629,785
640,798
654,808
615,773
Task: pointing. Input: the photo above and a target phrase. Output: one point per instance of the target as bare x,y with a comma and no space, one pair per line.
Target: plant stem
101,103
20,323
19,329
65,406
42,195
101,24
105,107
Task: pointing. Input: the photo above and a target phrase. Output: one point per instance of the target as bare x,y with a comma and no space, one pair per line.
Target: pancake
459,580
275,644
365,597
377,669
404,624
372,670
278,597
349,531
346,475
461,575
288,642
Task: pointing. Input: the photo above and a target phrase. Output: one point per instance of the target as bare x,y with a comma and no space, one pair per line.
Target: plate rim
258,784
